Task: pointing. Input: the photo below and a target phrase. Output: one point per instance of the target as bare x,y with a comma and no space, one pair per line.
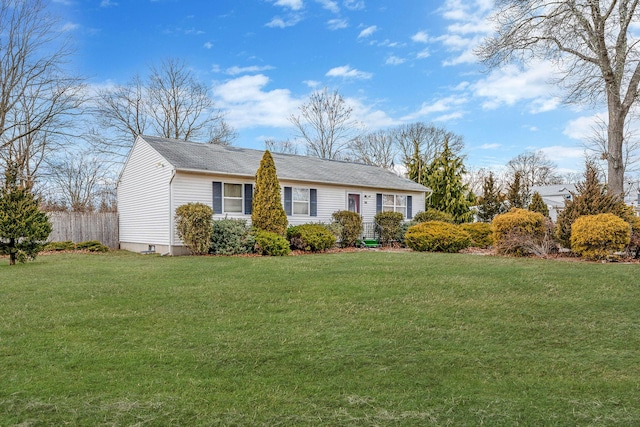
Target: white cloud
368,32
69,26
337,24
468,28
445,105
279,22
251,69
330,5
583,127
354,4
511,84
423,54
369,116
247,104
395,60
312,83
291,4
420,37
346,71
108,3
493,146
208,45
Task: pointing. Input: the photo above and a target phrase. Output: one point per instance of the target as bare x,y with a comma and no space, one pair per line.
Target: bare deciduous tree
79,181
375,148
37,97
534,169
170,103
592,43
325,124
425,140
283,146
597,143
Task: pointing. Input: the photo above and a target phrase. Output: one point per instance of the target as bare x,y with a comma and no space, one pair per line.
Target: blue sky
394,61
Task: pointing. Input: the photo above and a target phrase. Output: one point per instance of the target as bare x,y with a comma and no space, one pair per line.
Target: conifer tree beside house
491,203
450,194
517,192
23,226
267,211
538,205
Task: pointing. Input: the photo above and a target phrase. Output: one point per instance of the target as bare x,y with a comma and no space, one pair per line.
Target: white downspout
171,237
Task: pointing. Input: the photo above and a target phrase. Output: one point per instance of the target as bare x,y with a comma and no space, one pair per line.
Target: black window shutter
217,197
378,202
313,202
248,198
409,207
287,200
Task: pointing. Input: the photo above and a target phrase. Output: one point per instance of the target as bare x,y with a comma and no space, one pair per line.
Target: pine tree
491,203
415,165
268,213
23,226
517,192
444,177
538,205
591,198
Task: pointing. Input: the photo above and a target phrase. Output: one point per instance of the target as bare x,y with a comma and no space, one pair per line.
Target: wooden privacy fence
80,227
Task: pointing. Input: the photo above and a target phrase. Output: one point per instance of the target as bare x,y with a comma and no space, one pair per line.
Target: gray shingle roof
245,162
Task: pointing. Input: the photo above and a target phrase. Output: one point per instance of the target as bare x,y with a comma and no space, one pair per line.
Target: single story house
554,196
161,174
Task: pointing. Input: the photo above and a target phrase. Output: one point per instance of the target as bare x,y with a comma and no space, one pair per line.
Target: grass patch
365,338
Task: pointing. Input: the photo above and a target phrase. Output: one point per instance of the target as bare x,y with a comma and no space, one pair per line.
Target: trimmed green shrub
351,227
481,233
389,223
437,236
92,246
194,226
519,232
60,246
231,237
432,215
599,236
591,198
311,237
402,231
271,244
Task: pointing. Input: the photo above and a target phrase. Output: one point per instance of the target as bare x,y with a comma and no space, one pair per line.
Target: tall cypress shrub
268,213
23,226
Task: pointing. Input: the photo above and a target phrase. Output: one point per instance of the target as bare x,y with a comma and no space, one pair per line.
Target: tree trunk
12,253
615,182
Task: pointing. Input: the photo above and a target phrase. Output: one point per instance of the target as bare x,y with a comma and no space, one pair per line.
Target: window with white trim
232,198
394,203
300,201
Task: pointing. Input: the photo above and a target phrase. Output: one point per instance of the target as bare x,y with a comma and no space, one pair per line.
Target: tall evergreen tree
415,165
444,177
267,213
23,226
491,203
538,205
518,192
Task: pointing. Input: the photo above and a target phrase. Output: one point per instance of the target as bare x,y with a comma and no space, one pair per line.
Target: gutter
171,237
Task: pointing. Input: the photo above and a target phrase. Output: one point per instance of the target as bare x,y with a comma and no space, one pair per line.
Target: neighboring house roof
211,158
553,190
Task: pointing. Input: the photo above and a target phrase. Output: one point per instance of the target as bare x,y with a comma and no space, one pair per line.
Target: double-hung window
232,198
395,203
300,201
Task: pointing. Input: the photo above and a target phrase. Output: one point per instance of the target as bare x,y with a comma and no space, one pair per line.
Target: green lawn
367,338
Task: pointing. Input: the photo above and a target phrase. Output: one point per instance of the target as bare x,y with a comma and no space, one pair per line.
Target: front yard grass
365,338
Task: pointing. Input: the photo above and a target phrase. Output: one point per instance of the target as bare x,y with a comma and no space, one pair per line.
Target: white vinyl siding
143,197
